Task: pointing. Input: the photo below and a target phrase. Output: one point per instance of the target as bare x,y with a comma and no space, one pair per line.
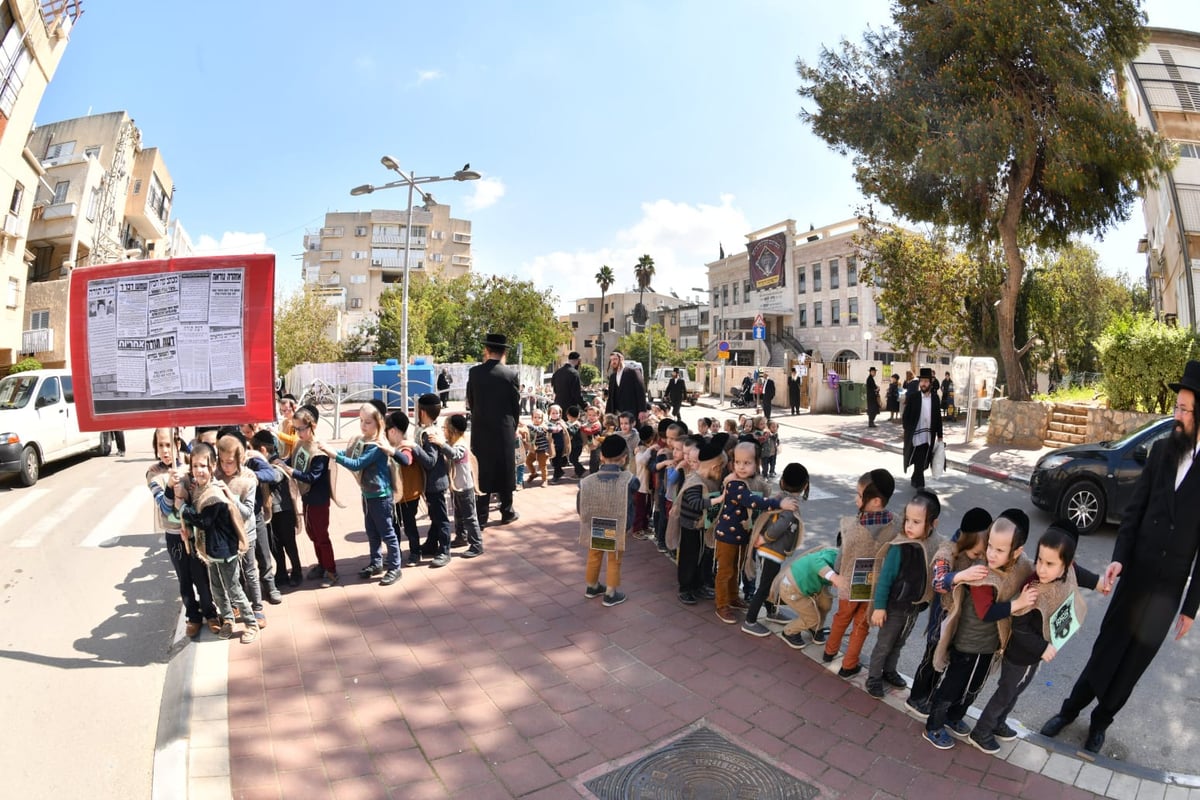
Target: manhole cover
699,766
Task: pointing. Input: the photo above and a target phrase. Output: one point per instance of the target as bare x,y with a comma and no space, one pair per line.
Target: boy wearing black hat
430,454
605,505
691,514
773,539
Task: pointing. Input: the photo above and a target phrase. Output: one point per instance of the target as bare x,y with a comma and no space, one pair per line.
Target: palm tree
605,279
644,272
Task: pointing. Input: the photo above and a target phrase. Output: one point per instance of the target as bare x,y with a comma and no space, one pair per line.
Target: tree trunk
1006,313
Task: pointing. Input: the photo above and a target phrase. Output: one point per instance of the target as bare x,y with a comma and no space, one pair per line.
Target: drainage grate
703,765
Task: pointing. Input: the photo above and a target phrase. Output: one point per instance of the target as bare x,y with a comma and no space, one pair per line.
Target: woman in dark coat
893,397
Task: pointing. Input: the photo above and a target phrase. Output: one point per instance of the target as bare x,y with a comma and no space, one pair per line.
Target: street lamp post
408,179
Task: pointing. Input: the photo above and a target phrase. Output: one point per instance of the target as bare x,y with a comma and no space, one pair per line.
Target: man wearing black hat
568,391
1154,555
626,392
676,388
494,400
922,421
873,403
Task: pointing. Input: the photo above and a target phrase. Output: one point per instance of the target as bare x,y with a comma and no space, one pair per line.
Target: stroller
742,397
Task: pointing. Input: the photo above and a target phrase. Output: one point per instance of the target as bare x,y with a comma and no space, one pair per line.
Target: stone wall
1024,424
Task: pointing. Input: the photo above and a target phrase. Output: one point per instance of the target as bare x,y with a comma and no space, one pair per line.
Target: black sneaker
707,593
895,679
849,672
440,560
819,635
958,728
755,628
687,598
414,558
779,616
985,742
390,577
1004,732
793,640
828,659
875,688
371,571
614,598
594,591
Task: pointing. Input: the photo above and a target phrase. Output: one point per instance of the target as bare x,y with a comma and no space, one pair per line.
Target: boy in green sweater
803,585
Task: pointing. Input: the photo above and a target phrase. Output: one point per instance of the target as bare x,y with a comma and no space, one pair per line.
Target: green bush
588,374
25,365
1140,356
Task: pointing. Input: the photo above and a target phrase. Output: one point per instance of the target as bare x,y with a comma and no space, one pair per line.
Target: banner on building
767,260
184,341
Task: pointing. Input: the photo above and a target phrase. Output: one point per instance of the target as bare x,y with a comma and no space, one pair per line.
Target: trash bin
852,397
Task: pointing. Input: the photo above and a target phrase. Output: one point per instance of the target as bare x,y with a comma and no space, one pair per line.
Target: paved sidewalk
497,677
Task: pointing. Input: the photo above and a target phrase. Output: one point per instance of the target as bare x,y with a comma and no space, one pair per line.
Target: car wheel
30,466
1083,503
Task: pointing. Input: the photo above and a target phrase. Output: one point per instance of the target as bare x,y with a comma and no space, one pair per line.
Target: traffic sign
723,354
760,332
759,322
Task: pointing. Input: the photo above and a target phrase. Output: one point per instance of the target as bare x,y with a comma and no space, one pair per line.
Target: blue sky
604,131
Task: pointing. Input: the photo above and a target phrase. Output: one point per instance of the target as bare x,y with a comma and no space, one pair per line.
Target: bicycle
319,394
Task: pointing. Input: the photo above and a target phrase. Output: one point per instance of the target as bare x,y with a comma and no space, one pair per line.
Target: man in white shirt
922,425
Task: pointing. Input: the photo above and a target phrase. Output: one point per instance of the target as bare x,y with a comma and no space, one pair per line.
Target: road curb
170,774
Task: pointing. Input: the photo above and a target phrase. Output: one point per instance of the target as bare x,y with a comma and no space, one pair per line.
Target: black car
1090,484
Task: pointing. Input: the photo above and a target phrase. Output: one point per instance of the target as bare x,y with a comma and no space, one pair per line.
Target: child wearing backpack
774,538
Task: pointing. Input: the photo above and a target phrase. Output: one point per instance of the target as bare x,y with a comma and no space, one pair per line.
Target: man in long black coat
768,397
794,393
1154,555
626,392
922,422
872,398
676,389
568,389
494,400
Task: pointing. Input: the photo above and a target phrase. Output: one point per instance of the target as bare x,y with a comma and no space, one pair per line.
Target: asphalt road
88,613
1159,728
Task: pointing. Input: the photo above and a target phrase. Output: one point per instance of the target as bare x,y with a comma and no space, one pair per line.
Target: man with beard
872,398
676,389
626,392
1154,555
922,420
568,388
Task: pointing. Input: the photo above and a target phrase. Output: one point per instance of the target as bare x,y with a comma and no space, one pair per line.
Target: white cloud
232,243
487,192
426,75
680,237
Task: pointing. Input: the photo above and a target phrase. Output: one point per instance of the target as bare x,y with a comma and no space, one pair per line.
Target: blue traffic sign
723,346
760,332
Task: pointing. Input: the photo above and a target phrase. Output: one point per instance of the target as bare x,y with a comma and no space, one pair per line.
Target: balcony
331,255
416,259
38,340
462,238
61,211
397,239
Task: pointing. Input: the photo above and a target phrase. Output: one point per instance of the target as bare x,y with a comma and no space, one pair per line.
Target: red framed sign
181,341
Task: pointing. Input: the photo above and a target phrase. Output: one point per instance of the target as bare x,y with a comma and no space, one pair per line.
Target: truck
658,384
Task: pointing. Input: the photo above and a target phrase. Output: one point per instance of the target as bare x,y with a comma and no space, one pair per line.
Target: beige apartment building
1163,95
102,198
356,255
823,309
596,327
33,38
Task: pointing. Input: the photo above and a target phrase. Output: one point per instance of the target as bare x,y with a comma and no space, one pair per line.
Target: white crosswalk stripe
130,515
62,514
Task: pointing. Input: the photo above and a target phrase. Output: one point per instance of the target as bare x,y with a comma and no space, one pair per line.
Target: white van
38,423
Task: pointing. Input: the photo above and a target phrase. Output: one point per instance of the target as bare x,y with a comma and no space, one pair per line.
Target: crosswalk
83,510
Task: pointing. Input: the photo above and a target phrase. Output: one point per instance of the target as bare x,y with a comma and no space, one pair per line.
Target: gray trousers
892,636
1013,680
465,521
253,589
227,590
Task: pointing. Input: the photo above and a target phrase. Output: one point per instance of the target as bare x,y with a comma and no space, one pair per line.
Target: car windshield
1129,437
16,391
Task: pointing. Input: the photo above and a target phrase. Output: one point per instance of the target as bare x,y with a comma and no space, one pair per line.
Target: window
816,277
817,314
735,291
137,186
436,258
14,61
14,293
39,320
93,152
725,295
93,203
360,230
68,389
833,274
746,291
801,280
878,315
853,302
1188,150
802,317
358,255
852,271
835,312
333,230
48,394
591,308
358,278
60,191
158,202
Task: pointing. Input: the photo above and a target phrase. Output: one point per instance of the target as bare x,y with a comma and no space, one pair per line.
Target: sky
603,131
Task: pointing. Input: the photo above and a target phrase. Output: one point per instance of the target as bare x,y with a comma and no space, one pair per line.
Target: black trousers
767,570
675,404
891,638
920,457
406,512
688,560
193,581
1014,678
959,687
437,541
283,540
767,407
1102,715
925,678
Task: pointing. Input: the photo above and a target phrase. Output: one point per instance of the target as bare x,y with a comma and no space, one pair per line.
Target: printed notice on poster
604,534
862,588
171,340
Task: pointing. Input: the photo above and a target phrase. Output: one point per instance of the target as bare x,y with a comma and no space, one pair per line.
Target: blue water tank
386,376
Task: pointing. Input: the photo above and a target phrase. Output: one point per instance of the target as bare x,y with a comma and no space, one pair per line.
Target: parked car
1090,484
38,423
662,375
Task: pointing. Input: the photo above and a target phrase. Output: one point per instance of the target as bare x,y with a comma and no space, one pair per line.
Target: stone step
1060,414
1069,427
1060,439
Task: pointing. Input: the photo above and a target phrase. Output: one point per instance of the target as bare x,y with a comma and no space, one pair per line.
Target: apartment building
102,198
596,327
821,309
356,255
1162,92
33,38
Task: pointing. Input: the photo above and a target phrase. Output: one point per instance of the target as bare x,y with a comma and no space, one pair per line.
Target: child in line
665,490
215,526
770,449
191,572
590,431
575,439
432,459
804,585
520,453
462,486
776,535
627,428
646,448
605,506
689,517
976,626
958,561
231,470
739,502
859,537
282,524
309,467
1057,578
541,446
903,588
371,466
557,429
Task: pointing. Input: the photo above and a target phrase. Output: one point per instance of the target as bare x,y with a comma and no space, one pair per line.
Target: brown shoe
213,624
249,634
726,615
193,629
